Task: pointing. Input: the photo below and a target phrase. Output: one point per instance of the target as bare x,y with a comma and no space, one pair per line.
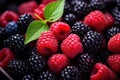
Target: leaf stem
40,18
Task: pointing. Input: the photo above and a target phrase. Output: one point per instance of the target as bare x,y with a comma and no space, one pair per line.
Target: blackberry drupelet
46,75
102,56
97,5
92,41
80,29
11,28
85,62
23,22
17,68
81,8
15,43
70,18
110,32
37,63
70,73
28,77
2,36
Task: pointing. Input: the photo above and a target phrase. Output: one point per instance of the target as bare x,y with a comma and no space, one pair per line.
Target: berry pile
84,44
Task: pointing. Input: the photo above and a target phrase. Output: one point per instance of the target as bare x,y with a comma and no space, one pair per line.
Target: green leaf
54,10
34,30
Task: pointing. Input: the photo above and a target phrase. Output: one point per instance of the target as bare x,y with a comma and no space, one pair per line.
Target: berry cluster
84,44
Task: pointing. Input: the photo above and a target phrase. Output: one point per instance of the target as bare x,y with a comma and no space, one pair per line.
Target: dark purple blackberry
111,32
17,68
85,62
67,8
116,14
15,43
69,18
46,75
37,63
2,36
92,41
80,29
70,73
81,8
102,56
97,5
11,28
28,77
23,22
110,4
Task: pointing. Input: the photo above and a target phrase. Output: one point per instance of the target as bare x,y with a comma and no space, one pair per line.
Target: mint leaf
34,30
54,10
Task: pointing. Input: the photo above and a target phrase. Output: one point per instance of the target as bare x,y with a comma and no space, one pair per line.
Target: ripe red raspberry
96,20
114,43
27,7
5,56
109,19
102,72
47,44
57,62
40,11
60,29
71,46
114,62
47,1
8,16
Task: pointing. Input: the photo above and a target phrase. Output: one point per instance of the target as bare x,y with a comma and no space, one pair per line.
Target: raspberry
5,56
70,18
8,16
11,28
110,32
47,44
46,75
92,41
57,62
85,62
102,72
114,62
40,11
80,29
37,63
47,1
27,7
70,73
28,77
61,30
71,46
114,43
97,5
17,68
96,20
81,8
15,43
23,22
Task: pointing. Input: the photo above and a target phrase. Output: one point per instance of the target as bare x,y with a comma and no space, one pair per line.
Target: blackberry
85,62
116,13
15,43
70,18
67,8
80,29
46,75
37,63
17,68
23,22
93,41
111,32
28,77
110,4
102,56
97,5
81,8
11,28
2,36
70,73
